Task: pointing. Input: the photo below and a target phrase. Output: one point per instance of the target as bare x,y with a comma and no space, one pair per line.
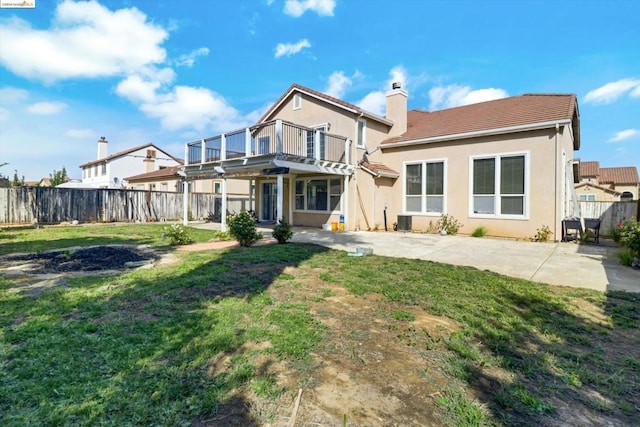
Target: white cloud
374,102
624,134
457,95
12,95
5,114
85,40
80,133
46,108
297,8
338,84
611,91
289,49
189,59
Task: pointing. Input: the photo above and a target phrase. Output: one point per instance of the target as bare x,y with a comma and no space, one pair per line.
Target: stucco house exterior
506,164
109,171
607,184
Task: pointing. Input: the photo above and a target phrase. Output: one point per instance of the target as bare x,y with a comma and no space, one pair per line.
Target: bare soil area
369,370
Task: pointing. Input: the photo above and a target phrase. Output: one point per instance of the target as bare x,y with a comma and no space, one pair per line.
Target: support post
316,145
203,151
292,197
223,147
279,196
278,136
185,202
223,208
247,142
345,202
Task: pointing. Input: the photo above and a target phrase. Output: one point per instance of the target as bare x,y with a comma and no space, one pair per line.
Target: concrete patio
569,264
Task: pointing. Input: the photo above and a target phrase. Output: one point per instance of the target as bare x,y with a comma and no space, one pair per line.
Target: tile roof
378,169
346,105
528,109
599,187
619,175
170,172
589,168
129,151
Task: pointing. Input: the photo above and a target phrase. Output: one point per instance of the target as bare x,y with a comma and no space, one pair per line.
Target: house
506,164
607,184
108,171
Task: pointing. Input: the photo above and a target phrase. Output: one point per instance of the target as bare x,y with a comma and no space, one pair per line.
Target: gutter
474,134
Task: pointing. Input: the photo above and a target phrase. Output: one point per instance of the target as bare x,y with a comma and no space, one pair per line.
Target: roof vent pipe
396,85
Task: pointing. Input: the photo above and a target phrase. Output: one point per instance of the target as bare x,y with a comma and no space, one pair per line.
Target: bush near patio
630,236
229,336
242,227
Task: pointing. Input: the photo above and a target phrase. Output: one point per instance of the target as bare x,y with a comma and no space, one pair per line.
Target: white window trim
423,199
304,193
364,133
297,101
586,197
497,195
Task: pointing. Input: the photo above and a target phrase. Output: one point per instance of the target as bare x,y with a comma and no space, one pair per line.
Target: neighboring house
607,184
506,164
108,171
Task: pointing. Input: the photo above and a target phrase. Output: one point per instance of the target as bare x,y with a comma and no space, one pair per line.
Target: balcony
270,144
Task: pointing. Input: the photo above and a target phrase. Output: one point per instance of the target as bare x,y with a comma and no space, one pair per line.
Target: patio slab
557,263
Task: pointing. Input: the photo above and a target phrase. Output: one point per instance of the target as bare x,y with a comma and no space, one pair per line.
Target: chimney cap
102,138
396,85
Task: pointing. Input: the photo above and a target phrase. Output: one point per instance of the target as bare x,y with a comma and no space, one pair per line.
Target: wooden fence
610,213
27,205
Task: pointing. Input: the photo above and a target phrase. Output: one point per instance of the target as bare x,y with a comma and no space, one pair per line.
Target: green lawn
138,348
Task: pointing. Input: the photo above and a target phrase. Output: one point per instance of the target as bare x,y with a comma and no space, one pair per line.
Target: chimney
150,161
397,109
102,147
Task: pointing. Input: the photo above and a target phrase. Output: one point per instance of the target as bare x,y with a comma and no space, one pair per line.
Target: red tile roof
528,109
619,175
589,168
378,169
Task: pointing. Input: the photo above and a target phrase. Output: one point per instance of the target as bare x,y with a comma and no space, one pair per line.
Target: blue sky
169,72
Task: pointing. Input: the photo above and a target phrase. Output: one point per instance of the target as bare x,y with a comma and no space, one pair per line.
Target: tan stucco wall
600,195
544,199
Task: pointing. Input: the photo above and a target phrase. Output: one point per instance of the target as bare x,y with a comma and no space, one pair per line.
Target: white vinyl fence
609,213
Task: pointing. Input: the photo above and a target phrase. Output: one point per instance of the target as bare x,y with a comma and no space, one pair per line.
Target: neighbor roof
589,168
501,114
324,97
129,151
379,170
169,172
619,175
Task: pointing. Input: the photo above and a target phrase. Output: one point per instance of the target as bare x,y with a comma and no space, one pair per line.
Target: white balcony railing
276,137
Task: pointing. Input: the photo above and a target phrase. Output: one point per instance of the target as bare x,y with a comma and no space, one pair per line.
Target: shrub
542,234
222,235
630,236
626,257
449,224
479,232
282,231
177,234
242,227
615,234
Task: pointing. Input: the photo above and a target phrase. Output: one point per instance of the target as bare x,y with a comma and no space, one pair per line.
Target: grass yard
229,336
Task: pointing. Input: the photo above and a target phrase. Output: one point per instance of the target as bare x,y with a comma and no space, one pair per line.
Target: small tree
59,177
16,181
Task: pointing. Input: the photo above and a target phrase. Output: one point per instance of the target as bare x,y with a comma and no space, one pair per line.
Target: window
164,186
318,194
217,187
103,171
151,154
626,196
297,101
499,185
311,142
362,133
587,197
424,187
